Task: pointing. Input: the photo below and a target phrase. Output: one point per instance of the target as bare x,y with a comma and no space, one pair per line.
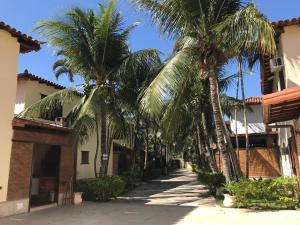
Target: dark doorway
45,175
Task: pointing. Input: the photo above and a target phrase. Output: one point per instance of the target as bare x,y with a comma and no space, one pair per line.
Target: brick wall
41,136
263,162
66,168
20,171
115,164
24,139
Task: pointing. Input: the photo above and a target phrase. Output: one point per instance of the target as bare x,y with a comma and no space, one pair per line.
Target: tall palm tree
210,33
134,80
94,45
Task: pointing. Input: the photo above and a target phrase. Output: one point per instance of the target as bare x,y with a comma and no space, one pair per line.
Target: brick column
66,170
20,171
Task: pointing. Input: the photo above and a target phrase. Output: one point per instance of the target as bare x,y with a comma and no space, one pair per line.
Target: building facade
12,43
264,152
37,163
280,80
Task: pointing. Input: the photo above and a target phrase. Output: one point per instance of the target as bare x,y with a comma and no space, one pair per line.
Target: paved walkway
176,200
180,188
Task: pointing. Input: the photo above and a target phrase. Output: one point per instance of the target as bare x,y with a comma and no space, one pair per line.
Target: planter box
229,200
77,198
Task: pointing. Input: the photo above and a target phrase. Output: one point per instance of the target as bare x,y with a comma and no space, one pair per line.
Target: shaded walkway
179,188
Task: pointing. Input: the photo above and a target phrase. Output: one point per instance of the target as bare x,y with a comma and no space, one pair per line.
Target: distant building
255,118
264,153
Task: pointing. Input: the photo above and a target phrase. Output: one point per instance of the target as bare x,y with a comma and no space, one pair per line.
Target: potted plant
77,198
229,198
218,181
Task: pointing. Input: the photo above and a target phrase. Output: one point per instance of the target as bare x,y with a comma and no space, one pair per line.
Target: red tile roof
253,100
27,43
288,22
30,76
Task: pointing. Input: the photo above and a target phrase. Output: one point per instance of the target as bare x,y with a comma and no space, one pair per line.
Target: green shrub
130,178
211,179
101,189
276,193
195,168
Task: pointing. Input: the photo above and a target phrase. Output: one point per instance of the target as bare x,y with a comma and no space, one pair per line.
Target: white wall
85,171
9,59
289,50
255,121
290,44
283,136
20,97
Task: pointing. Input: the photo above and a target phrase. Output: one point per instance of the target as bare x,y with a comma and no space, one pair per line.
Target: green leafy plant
130,178
212,179
276,193
101,189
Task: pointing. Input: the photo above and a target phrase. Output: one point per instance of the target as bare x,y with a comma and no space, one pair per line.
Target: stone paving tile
179,188
175,200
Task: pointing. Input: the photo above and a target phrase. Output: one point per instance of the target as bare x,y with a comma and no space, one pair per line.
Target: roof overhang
29,76
282,106
38,123
27,43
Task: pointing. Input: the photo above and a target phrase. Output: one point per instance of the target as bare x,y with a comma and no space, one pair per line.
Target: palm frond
166,83
247,30
51,103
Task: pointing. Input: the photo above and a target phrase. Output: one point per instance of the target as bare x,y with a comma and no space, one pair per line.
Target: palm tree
209,33
245,118
95,46
134,80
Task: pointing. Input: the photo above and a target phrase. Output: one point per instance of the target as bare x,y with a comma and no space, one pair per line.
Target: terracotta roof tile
253,100
27,42
30,76
287,22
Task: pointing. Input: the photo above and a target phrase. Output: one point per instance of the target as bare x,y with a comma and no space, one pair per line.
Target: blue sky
23,15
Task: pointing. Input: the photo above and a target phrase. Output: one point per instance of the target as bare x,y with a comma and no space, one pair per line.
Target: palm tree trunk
244,117
97,146
235,121
199,145
104,149
212,162
146,148
197,151
155,142
215,101
233,158
136,153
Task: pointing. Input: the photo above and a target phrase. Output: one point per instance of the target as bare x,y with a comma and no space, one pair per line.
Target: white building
280,81
255,118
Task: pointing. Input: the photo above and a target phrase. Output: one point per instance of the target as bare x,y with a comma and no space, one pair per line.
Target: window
85,157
